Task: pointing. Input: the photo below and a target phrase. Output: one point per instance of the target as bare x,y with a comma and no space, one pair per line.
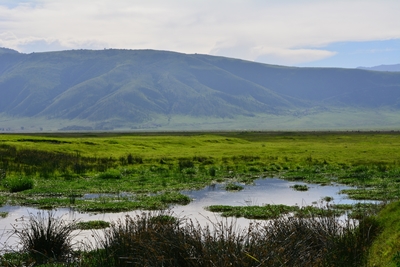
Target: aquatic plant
300,187
96,224
233,187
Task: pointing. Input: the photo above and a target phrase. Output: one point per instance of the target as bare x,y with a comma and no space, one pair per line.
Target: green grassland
146,171
50,170
78,163
337,147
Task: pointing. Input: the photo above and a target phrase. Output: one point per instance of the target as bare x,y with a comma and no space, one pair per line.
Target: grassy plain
130,171
58,169
352,148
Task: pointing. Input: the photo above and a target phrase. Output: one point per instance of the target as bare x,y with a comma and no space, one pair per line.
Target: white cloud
291,56
248,29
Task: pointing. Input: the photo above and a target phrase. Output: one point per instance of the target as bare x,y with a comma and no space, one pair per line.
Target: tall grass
160,239
46,238
17,184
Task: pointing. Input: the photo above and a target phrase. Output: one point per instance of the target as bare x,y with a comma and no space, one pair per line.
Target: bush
185,163
17,184
212,171
110,174
134,159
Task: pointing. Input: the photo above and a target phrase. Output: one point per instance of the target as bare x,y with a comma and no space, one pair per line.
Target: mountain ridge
129,88
393,68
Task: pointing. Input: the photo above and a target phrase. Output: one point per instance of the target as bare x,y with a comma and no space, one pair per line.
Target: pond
263,191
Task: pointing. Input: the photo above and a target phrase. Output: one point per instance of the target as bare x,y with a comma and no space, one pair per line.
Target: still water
263,191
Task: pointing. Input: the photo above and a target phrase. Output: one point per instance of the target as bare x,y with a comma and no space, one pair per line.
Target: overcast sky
337,33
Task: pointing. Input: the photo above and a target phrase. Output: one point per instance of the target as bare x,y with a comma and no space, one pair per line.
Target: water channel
263,191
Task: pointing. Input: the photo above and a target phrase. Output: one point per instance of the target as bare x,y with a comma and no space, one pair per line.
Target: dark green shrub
69,176
212,171
17,184
185,163
110,174
2,174
189,171
254,169
134,159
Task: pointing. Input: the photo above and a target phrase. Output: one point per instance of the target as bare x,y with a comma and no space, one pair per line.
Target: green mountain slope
131,88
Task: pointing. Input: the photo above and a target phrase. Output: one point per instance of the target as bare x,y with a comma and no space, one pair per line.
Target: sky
306,33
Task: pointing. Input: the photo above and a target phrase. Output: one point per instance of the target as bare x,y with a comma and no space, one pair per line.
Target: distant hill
132,89
4,50
395,67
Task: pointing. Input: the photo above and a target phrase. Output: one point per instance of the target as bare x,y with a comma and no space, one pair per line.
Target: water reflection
264,191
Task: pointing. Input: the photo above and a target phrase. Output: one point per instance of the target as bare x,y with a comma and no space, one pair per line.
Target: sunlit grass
345,148
63,164
385,250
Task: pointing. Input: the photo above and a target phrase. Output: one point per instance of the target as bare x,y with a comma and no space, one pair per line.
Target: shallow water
264,191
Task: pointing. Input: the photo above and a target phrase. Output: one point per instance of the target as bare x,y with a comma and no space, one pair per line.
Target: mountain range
394,67
116,89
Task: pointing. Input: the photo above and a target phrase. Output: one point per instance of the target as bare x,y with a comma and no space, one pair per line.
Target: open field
49,170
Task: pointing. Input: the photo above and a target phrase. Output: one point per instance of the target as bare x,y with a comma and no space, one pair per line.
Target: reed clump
45,238
160,239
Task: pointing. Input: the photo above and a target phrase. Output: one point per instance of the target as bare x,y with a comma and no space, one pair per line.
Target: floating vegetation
300,187
91,225
269,211
233,187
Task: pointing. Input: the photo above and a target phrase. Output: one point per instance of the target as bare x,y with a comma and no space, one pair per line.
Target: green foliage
133,159
212,171
110,174
18,184
185,163
386,247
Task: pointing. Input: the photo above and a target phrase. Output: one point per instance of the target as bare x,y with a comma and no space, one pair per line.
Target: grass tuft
46,238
